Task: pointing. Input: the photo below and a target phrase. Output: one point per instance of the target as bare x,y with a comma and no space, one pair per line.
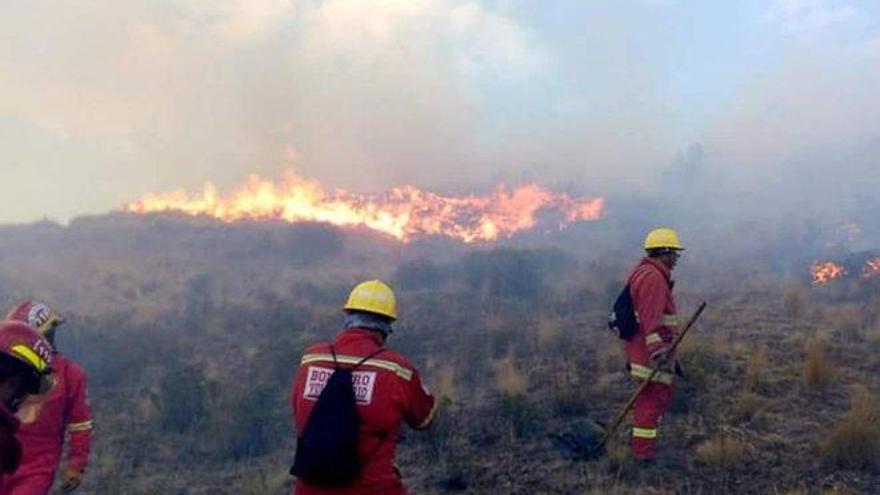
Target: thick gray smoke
102,102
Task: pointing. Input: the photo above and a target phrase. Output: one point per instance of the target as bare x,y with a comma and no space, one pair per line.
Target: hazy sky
103,100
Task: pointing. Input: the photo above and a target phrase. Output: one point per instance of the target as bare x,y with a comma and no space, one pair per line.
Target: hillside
191,331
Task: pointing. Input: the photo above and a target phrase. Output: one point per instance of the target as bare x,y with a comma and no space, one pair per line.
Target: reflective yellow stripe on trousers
77,427
670,320
643,372
650,433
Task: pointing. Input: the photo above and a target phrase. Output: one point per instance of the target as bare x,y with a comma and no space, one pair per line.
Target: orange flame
826,272
871,268
403,212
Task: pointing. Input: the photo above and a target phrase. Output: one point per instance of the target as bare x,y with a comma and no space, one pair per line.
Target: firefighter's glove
661,361
72,480
679,370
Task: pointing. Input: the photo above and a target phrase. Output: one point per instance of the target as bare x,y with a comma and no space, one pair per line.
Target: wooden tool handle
619,419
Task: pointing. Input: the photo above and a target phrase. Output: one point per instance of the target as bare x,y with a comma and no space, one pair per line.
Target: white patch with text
363,382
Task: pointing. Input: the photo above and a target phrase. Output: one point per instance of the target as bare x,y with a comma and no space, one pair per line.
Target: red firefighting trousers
31,485
647,411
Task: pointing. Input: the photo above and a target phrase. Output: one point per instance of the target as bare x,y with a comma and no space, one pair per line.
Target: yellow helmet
373,296
663,238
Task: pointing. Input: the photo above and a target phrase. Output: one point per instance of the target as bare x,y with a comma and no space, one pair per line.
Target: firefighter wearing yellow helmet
55,422
373,296
388,392
650,287
663,238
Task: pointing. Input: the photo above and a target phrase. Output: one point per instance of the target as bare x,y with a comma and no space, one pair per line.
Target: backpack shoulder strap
369,356
333,353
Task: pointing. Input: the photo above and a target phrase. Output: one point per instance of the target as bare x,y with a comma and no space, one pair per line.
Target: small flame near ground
405,212
824,272
871,268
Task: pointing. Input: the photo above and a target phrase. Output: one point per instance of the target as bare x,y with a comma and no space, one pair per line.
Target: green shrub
259,423
524,417
182,399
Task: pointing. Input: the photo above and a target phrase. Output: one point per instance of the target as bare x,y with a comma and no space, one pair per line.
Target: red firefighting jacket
47,418
651,289
389,391
10,449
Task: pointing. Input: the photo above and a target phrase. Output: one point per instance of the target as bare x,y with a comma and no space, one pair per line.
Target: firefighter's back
388,392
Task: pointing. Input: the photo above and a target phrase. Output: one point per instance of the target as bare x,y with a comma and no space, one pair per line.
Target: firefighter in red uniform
48,418
651,289
388,390
25,364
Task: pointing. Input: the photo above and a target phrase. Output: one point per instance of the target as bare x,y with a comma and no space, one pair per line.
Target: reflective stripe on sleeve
653,338
643,372
395,368
670,320
427,422
649,433
77,427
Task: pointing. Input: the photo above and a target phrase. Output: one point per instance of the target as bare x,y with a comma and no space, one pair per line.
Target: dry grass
721,451
147,407
748,405
570,397
493,321
549,334
710,348
755,367
605,386
848,320
554,336
509,380
793,302
610,358
691,344
854,441
831,491
818,371
446,383
797,339
839,490
704,357
259,483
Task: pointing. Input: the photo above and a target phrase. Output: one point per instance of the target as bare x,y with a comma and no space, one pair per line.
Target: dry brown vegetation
756,366
445,380
818,368
508,379
793,302
192,356
748,405
721,451
854,441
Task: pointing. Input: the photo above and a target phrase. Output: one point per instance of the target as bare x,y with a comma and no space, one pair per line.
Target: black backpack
624,321
327,450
